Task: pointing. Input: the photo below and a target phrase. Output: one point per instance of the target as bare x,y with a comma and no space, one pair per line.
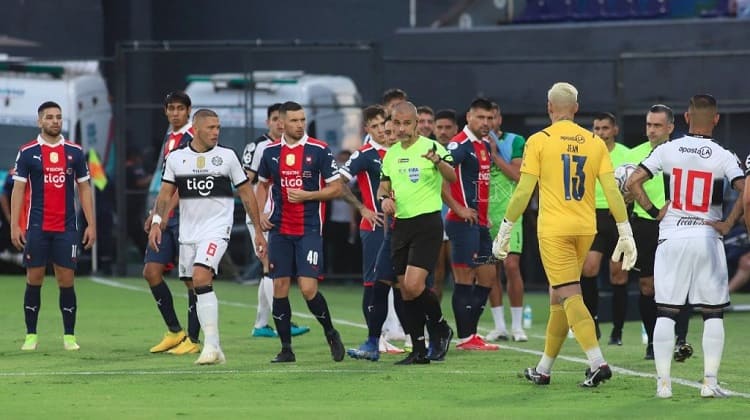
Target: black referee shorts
416,241
646,234
606,233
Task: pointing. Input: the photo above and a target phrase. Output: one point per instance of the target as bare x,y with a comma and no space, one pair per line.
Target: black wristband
383,197
653,212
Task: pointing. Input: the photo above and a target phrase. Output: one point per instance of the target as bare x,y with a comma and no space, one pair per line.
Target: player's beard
52,132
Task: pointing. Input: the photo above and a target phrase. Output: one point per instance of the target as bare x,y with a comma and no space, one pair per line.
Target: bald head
404,117
405,109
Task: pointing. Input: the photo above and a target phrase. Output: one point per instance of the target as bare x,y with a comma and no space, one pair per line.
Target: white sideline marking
118,284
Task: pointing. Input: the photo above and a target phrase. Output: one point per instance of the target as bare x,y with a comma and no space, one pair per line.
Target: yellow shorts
563,257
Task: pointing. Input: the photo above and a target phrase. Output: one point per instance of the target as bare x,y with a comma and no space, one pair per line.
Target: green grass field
114,376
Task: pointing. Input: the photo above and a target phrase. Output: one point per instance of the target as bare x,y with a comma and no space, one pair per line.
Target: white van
79,89
332,104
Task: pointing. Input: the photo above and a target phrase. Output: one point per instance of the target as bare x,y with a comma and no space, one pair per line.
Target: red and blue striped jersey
51,171
308,165
365,164
472,163
172,141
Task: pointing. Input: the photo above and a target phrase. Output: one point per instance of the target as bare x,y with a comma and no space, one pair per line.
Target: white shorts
206,253
692,270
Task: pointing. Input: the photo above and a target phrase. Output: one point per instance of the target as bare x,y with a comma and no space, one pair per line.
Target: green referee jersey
618,156
416,182
510,146
654,187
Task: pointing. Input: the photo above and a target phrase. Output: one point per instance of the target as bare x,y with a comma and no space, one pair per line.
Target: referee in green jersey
410,189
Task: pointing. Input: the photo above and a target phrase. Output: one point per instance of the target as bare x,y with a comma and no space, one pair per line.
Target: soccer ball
622,173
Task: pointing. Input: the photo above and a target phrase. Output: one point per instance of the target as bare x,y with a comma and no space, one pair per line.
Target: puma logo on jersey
275,159
37,157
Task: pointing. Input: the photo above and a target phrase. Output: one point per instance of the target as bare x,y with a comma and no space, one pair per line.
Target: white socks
516,316
663,347
265,302
713,346
498,314
208,315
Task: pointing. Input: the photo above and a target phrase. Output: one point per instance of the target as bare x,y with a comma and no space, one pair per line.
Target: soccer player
466,224
605,127
365,164
51,167
204,173
410,189
507,153
177,108
304,174
393,97
690,266
566,160
446,127
250,162
426,122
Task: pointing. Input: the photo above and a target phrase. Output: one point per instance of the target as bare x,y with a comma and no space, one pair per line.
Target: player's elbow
337,189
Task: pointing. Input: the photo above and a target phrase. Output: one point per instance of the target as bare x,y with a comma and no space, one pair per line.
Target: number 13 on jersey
574,179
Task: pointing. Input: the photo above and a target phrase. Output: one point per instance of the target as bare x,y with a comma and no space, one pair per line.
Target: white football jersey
695,170
205,183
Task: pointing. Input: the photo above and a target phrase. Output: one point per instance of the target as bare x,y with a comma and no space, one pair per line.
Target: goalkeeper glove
625,247
501,244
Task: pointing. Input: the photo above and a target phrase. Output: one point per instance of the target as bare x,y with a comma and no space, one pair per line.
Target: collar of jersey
301,142
60,141
190,146
469,134
182,129
375,145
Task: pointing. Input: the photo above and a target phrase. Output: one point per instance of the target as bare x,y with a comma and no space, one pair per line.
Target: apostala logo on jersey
202,185
704,151
217,160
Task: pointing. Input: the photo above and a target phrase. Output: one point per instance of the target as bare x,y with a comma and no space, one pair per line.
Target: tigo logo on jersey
203,186
414,174
57,179
291,182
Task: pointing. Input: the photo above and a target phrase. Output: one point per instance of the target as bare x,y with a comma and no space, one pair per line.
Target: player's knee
590,269
667,312
745,262
512,265
308,290
647,286
153,274
712,314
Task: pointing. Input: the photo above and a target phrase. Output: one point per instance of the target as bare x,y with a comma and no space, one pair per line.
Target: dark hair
446,114
289,106
663,109
606,116
179,97
481,103
424,109
272,108
373,111
394,93
495,106
203,112
703,101
47,105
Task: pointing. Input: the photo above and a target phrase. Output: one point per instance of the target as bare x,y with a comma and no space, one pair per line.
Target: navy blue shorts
295,256
471,245
169,248
383,268
372,240
59,248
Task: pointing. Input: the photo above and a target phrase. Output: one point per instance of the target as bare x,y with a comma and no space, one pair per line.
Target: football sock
478,302
319,308
366,302
498,314
683,323
68,309
663,346
207,311
648,315
282,317
590,294
265,301
462,309
165,303
379,311
619,305
414,326
579,319
516,317
398,305
32,302
194,325
430,305
557,331
713,346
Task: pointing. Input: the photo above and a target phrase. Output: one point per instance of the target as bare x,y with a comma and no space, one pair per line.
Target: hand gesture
388,206
18,237
297,195
469,215
154,237
261,246
625,248
375,219
265,223
432,155
721,226
89,237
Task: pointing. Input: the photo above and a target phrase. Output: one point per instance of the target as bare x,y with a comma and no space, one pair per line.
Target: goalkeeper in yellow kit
566,160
